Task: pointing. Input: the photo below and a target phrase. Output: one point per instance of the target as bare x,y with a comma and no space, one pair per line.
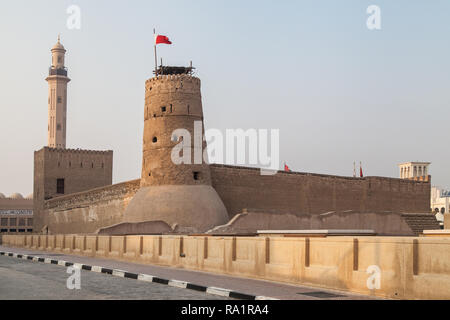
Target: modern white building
440,202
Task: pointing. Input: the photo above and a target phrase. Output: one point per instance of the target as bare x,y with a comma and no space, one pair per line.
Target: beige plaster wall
411,268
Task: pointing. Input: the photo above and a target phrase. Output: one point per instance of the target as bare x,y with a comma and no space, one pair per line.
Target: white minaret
57,98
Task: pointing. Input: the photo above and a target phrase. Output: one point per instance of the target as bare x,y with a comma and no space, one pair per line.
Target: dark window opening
12,230
4,230
188,108
59,164
196,175
81,165
29,230
13,222
60,186
103,165
59,100
70,164
155,139
171,108
21,230
163,109
149,174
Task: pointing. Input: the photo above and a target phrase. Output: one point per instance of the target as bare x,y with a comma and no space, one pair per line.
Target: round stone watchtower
176,180
173,107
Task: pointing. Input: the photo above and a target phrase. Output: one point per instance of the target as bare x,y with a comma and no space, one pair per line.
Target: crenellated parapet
77,151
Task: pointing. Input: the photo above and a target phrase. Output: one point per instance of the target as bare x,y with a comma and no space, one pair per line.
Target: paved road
256,287
21,279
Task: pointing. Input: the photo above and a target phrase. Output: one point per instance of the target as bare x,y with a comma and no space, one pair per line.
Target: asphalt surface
277,290
27,280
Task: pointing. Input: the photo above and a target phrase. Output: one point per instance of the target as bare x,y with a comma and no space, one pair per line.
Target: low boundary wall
410,268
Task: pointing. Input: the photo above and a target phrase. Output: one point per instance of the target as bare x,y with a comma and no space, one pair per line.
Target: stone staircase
421,221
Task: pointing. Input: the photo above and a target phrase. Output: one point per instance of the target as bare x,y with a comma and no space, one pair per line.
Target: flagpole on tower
156,57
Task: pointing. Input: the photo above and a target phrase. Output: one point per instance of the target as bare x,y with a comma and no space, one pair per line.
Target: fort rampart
240,188
308,193
85,212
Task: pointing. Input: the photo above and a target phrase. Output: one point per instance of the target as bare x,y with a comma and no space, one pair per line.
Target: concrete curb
141,277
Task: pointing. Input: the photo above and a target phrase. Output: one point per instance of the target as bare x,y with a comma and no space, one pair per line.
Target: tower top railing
171,70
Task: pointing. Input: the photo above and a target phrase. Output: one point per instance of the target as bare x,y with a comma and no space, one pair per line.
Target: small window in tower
60,186
163,109
196,175
70,164
155,139
81,165
171,108
189,107
59,99
92,165
103,165
58,127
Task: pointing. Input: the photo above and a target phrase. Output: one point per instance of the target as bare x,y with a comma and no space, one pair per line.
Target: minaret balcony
57,72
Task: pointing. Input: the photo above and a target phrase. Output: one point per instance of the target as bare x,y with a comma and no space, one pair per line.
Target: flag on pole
162,39
361,171
286,168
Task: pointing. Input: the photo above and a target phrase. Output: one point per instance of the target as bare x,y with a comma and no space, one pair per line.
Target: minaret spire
57,97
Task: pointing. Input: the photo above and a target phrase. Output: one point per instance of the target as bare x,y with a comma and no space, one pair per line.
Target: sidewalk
245,285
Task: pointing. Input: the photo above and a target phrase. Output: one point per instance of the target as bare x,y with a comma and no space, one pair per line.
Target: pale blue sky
338,92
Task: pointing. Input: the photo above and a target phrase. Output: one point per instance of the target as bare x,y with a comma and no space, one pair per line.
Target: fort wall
297,194
307,193
86,212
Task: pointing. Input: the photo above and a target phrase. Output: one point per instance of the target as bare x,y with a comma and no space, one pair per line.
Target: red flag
162,39
286,168
360,171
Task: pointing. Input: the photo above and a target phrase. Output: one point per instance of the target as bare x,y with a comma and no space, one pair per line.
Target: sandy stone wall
406,267
85,212
306,193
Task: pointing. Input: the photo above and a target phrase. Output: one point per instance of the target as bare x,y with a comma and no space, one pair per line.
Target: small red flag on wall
361,171
162,39
286,168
